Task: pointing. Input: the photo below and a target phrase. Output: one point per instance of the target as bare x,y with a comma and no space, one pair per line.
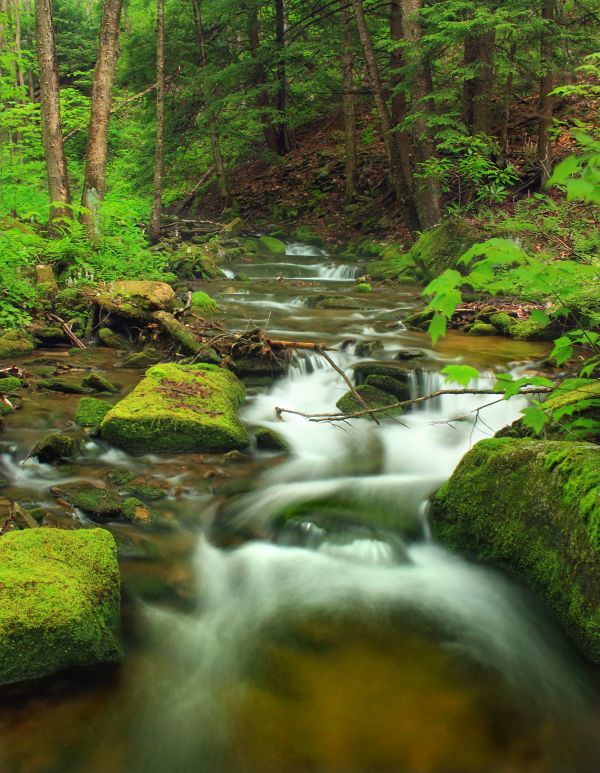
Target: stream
341,640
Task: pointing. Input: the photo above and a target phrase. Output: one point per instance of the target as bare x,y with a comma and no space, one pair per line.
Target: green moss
307,235
441,247
10,384
56,384
364,287
482,329
90,412
368,348
59,602
373,397
393,386
113,340
145,491
179,409
203,302
120,477
54,447
140,360
502,322
533,506
527,329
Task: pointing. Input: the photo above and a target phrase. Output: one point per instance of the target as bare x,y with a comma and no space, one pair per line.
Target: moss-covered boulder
269,440
481,329
321,301
54,448
112,339
372,397
368,348
179,409
100,503
59,602
15,343
203,303
136,299
99,384
10,384
441,247
90,412
534,507
271,245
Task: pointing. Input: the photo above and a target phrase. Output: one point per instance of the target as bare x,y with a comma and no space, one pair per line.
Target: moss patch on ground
179,409
90,412
59,602
533,506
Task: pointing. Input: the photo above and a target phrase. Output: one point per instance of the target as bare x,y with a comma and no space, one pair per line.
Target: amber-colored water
352,652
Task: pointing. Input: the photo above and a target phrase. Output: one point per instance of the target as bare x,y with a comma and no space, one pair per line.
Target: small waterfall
339,272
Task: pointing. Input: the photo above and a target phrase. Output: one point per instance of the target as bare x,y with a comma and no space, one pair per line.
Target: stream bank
313,622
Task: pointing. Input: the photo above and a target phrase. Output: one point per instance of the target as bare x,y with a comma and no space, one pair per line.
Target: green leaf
437,327
460,374
539,317
535,418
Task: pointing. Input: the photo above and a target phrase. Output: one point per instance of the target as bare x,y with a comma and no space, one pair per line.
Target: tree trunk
402,137
214,136
20,83
260,78
428,191
349,103
56,163
283,144
159,153
508,93
94,184
546,102
385,119
478,90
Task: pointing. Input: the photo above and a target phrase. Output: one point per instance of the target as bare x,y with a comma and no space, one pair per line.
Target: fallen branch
331,417
66,330
190,196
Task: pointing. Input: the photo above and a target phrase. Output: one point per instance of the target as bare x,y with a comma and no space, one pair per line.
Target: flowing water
298,615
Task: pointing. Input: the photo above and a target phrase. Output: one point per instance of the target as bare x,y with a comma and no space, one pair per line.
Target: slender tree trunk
385,119
18,53
546,102
508,92
94,185
478,90
283,143
402,137
214,136
349,102
159,153
30,47
428,191
260,78
56,163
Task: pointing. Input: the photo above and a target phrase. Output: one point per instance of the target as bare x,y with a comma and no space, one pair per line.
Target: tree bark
159,153
395,177
214,136
349,103
94,185
20,82
56,163
260,78
546,102
402,137
428,191
478,90
283,143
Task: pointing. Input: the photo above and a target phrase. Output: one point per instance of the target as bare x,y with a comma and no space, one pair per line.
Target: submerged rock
112,339
99,384
179,409
55,447
373,397
100,503
368,348
332,302
59,602
533,506
56,384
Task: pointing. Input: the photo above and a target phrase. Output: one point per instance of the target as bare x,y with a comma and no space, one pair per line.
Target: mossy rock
481,329
202,302
391,368
529,330
534,507
99,384
363,287
113,340
100,503
140,513
272,245
59,602
333,302
269,440
14,343
502,321
119,476
307,235
440,248
10,384
136,299
373,397
57,384
54,447
368,348
144,490
179,409
140,360
90,412
393,386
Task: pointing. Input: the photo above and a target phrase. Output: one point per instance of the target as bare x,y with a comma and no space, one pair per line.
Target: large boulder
534,507
14,343
59,602
136,299
179,409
